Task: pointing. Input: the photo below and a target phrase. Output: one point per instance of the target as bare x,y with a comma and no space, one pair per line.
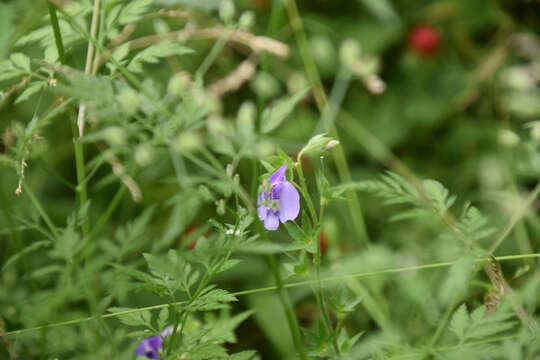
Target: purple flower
151,347
281,202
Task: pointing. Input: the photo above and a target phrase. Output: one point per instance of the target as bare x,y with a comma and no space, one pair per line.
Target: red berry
424,40
186,235
323,242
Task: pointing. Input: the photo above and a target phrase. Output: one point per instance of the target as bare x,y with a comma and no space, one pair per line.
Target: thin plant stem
284,299
322,102
285,286
303,185
319,295
516,217
211,57
57,34
287,306
41,211
89,61
441,326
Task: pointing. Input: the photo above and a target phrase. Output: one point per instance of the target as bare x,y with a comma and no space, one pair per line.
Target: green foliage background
148,218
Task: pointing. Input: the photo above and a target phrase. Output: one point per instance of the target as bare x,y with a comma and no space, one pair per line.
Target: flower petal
289,202
262,211
261,197
150,347
279,175
167,331
271,222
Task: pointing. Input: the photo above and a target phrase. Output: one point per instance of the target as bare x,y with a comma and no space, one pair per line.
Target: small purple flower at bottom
151,347
281,202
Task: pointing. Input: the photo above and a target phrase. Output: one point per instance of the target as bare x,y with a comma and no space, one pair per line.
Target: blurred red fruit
186,235
323,242
425,40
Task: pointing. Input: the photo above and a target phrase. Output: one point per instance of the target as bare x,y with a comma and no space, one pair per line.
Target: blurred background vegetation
446,90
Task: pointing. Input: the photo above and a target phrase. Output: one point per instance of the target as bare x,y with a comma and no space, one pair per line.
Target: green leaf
295,231
207,351
197,4
135,318
32,89
276,113
460,322
153,53
21,61
133,11
212,300
454,288
439,195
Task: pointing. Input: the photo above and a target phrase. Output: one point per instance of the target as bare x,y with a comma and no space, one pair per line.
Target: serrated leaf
133,11
197,4
212,300
153,53
8,71
133,317
163,318
20,61
457,281
276,113
207,351
32,89
460,322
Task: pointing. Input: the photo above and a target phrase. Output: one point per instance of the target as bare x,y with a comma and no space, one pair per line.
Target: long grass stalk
285,286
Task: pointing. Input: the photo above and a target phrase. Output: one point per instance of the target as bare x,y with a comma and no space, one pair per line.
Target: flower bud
236,180
229,170
247,20
144,154
349,52
227,10
374,84
508,138
265,85
220,207
534,127
114,135
187,141
129,100
216,126
330,145
178,83
518,78
297,81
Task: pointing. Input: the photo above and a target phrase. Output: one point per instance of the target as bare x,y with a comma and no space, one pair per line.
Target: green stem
516,217
284,299
57,33
287,306
322,103
285,286
319,295
210,58
303,185
441,326
41,210
81,182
